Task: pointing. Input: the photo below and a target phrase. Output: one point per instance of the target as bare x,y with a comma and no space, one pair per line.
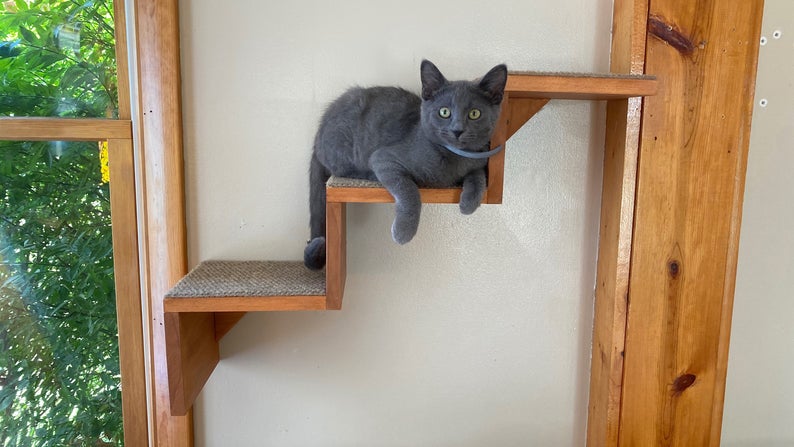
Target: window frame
135,364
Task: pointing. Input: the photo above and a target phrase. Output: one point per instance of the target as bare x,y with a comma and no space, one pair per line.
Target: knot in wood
670,34
683,382
674,268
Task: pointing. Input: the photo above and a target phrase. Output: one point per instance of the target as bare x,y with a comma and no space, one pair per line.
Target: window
70,309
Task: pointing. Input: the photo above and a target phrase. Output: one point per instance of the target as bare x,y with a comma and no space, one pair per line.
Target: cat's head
461,114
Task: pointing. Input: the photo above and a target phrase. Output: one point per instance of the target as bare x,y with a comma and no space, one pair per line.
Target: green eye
444,112
474,114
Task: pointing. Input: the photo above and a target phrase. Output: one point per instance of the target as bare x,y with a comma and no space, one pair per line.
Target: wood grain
382,195
192,354
165,242
615,233
578,86
691,173
336,253
244,303
128,292
64,129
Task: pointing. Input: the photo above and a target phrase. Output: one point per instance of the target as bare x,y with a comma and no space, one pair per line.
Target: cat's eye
444,112
474,114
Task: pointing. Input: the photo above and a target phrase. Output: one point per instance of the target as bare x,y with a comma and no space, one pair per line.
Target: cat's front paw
404,229
469,204
473,192
470,200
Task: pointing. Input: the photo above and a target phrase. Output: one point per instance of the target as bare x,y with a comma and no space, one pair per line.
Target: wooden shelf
349,190
248,286
583,86
211,299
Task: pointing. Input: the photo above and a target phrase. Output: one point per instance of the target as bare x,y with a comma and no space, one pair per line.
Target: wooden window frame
124,221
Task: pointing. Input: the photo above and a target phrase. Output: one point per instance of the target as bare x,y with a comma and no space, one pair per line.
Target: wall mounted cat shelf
213,297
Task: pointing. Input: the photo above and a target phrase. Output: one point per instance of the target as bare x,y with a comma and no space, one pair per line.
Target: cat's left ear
432,79
493,83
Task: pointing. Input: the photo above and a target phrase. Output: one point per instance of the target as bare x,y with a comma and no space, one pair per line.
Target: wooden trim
122,59
64,129
693,149
128,291
612,277
244,303
615,233
157,42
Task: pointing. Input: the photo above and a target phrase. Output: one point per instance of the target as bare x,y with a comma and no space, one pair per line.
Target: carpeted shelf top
249,278
347,182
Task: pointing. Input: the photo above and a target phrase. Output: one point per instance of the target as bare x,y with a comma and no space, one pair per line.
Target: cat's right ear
432,79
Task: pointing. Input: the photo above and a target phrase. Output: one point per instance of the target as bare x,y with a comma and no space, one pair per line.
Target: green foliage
57,58
59,366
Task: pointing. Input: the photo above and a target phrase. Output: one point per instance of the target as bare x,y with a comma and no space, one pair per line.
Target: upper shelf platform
586,86
351,190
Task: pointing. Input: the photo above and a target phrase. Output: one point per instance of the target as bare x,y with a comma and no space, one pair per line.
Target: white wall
759,396
476,333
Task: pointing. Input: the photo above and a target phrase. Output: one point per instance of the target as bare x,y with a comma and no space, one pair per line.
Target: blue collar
470,154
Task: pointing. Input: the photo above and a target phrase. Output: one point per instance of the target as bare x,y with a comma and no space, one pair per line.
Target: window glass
57,59
59,361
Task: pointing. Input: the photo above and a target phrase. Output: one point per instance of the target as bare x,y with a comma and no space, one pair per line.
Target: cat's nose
457,133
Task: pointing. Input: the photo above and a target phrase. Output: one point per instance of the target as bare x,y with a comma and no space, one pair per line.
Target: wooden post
617,212
690,181
161,144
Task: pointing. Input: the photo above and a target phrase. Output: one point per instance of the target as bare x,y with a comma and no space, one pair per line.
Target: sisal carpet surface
250,278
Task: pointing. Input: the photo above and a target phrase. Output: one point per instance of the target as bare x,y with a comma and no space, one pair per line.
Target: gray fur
397,138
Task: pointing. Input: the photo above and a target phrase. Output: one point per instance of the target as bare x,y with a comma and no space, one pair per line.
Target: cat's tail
314,254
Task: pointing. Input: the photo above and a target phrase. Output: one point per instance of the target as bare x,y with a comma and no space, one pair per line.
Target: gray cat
403,141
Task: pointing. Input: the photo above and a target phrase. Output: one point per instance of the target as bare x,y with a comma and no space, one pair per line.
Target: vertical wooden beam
617,213
335,253
693,151
164,221
128,291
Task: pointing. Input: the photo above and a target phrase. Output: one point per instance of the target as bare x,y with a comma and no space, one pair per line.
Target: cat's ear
493,83
432,79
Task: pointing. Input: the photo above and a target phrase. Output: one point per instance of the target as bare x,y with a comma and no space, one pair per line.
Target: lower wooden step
248,286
